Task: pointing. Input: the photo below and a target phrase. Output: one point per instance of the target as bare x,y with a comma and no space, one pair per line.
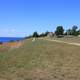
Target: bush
1,43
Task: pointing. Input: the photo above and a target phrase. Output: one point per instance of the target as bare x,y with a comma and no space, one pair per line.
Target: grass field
40,60
69,39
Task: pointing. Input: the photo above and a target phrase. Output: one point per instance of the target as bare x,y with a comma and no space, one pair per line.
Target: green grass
41,60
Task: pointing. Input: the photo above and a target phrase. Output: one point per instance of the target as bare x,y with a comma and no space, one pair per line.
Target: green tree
46,33
35,34
59,30
41,35
78,32
74,30
69,32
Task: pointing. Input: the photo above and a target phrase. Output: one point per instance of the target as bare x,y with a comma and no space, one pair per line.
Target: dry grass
68,39
13,44
41,60
10,45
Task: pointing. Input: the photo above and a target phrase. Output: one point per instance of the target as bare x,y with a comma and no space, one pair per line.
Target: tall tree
74,30
59,30
35,34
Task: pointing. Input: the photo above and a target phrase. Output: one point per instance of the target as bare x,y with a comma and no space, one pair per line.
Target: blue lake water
7,39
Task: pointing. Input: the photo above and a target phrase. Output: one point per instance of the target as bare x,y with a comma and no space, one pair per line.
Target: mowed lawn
40,60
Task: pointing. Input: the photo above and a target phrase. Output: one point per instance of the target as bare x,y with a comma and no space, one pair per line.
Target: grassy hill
40,60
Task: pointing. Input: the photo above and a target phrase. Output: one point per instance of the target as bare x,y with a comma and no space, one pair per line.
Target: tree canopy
59,30
35,34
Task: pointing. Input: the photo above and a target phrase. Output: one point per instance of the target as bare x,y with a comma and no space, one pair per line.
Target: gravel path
75,44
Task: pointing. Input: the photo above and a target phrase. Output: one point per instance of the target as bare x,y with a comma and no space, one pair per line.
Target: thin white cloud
11,33
7,30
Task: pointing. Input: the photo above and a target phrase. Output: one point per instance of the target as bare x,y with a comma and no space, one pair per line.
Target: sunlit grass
40,60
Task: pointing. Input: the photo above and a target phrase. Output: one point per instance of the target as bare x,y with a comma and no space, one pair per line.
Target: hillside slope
40,60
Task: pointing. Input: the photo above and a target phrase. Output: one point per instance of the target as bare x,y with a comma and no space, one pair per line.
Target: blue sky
19,18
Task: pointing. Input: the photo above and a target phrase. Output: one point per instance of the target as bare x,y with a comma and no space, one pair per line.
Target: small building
50,35
78,35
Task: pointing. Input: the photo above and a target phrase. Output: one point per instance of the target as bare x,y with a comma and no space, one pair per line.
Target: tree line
74,31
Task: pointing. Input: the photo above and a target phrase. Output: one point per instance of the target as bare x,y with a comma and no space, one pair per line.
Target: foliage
44,34
69,32
73,31
78,32
59,30
35,34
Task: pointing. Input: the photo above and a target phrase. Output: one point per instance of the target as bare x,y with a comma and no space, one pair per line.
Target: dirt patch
59,41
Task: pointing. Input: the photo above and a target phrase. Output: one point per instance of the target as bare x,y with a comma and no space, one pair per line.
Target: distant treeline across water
10,39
